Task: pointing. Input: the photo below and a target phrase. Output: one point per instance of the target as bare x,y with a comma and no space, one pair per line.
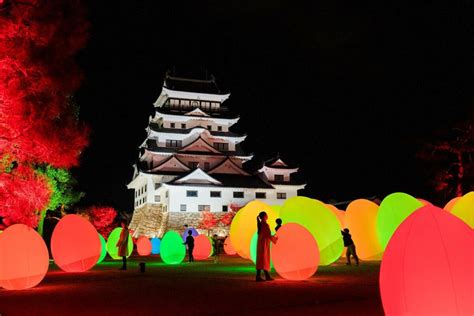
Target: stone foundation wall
150,221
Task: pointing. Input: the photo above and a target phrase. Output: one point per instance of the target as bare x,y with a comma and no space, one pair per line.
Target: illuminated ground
203,288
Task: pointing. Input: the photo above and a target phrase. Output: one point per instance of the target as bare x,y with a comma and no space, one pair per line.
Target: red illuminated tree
448,161
23,192
38,118
102,217
208,220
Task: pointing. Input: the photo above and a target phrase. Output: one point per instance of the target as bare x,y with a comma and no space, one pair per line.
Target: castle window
193,164
157,198
202,208
224,208
215,193
238,195
171,143
166,193
279,178
209,127
221,146
194,104
184,103
183,125
174,103
191,193
281,196
182,207
214,106
260,195
172,125
219,128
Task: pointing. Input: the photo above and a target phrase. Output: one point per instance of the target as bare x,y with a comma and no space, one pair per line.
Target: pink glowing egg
144,246
296,254
228,248
425,270
202,247
24,258
75,244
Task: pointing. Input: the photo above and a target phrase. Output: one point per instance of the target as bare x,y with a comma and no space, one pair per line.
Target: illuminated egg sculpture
75,244
112,248
172,249
449,206
341,215
228,248
24,258
144,246
244,225
193,230
424,202
361,218
296,254
321,223
425,270
464,209
155,246
202,247
392,212
103,247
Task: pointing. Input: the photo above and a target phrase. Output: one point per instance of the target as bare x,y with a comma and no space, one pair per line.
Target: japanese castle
191,162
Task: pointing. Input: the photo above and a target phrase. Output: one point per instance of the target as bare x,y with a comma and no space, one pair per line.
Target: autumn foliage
38,118
22,193
102,218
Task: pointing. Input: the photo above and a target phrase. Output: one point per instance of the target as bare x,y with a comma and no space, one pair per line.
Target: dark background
347,91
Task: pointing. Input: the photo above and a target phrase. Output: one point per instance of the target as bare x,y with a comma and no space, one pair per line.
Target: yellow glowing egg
449,206
244,225
361,219
464,209
320,221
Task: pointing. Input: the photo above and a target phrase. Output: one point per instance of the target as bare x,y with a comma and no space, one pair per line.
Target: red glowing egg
143,246
296,254
24,258
202,247
228,248
75,244
425,270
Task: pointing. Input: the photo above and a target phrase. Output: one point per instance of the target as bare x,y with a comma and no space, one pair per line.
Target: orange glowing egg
341,215
228,248
296,254
464,209
425,270
24,258
361,219
449,206
202,247
144,246
75,244
244,225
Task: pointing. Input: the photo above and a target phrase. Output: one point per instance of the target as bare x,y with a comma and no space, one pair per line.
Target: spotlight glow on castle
192,162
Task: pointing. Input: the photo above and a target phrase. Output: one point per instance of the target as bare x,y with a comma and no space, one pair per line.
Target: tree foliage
38,118
102,217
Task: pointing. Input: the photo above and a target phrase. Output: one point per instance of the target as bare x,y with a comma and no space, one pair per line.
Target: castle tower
192,162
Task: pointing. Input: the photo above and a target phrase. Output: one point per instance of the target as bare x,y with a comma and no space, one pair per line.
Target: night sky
345,91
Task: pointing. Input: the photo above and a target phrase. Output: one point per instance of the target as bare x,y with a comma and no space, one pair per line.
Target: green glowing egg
112,248
103,252
464,209
393,210
172,249
320,221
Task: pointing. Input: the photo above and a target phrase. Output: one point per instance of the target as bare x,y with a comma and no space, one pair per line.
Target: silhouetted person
190,243
351,248
122,245
216,244
278,221
263,247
